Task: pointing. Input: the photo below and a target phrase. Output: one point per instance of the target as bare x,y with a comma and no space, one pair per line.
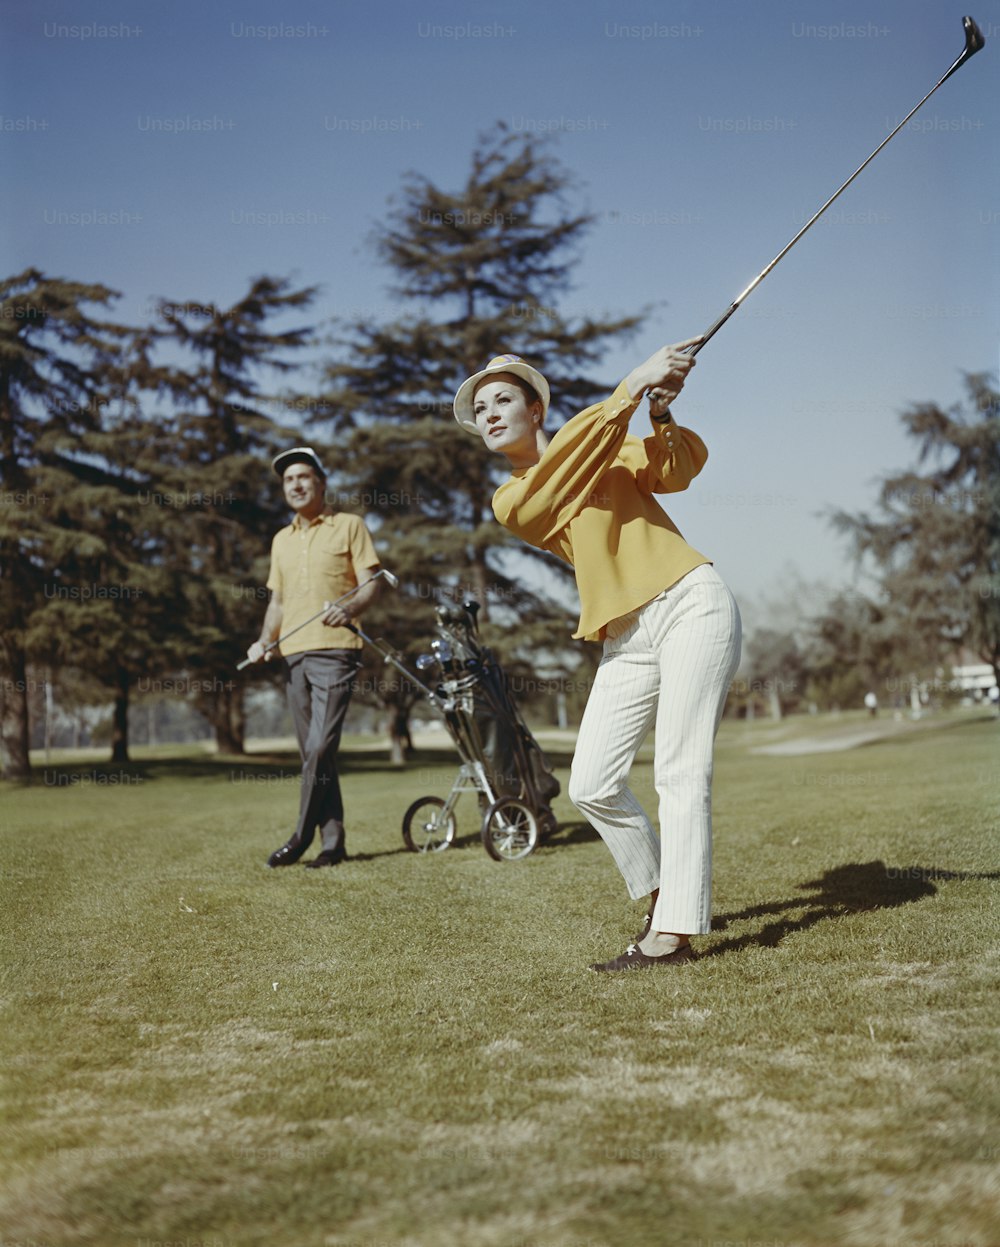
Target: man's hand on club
259,652
336,616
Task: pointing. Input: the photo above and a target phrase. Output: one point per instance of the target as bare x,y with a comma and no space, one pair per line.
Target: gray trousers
320,683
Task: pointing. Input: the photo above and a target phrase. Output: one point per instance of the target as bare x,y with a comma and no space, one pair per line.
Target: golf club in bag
501,760
974,40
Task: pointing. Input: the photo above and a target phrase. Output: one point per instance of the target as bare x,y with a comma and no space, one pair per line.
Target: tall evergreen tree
55,359
218,500
936,539
483,268
113,605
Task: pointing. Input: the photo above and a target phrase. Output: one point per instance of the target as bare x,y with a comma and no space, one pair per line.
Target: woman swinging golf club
670,627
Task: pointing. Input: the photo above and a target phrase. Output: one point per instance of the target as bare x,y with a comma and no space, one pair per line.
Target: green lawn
409,1051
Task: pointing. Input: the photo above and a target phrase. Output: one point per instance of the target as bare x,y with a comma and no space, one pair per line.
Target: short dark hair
529,391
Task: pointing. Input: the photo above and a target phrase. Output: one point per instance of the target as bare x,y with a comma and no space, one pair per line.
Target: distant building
974,677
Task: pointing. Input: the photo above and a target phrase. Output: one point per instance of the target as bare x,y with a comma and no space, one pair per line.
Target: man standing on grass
319,557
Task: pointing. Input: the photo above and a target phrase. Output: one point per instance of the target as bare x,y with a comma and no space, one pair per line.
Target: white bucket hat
463,406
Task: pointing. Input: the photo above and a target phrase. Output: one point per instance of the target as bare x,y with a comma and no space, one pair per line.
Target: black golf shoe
633,958
329,857
288,854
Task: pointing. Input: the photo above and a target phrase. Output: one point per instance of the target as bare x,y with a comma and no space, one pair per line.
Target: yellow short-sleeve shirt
314,562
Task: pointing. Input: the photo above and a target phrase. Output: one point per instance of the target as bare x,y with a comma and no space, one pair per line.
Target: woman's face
505,419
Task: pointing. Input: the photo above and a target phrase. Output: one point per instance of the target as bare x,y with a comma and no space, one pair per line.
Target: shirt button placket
304,561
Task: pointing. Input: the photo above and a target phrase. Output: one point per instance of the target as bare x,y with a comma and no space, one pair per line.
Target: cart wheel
426,826
510,830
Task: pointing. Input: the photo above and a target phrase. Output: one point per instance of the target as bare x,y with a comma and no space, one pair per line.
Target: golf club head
974,39
393,580
445,656
471,608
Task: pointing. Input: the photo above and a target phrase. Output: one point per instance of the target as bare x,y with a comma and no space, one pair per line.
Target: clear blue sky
217,141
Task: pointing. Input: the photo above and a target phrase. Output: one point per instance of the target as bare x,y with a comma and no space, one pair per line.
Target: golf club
386,575
393,659
973,42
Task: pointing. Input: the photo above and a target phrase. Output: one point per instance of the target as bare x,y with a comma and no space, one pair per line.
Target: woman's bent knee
586,795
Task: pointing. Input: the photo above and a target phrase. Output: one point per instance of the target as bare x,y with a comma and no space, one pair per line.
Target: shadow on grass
572,833
564,834
285,764
855,888
371,857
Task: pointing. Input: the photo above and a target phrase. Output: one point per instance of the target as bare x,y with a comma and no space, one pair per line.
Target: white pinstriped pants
672,667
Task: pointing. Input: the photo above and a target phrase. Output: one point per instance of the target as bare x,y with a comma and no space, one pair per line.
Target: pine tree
483,267
54,364
936,541
219,502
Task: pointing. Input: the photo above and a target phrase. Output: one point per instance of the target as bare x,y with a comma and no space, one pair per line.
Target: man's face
304,490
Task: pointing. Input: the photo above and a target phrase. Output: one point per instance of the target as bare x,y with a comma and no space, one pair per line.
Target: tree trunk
400,743
14,740
225,713
49,714
237,720
119,730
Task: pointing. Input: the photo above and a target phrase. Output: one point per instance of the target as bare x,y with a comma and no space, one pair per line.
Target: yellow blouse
589,501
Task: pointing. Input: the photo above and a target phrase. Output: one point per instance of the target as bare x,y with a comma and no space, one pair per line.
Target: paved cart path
851,736
825,744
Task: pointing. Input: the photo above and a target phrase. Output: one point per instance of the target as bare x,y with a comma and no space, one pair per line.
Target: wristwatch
666,418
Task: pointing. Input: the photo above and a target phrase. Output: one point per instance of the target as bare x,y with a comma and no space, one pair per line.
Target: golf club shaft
973,42
247,662
392,659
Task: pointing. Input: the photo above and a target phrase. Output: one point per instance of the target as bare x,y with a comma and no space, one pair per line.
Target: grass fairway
409,1051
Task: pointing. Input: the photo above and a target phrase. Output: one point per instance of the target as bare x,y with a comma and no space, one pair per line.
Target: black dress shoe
329,857
287,855
633,958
